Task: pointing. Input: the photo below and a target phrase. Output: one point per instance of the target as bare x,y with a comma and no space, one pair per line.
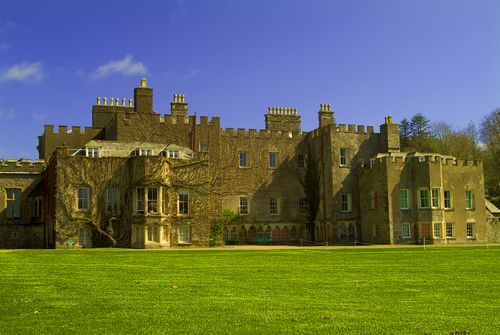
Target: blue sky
368,58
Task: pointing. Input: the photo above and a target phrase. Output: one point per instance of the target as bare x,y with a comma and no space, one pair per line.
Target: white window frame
112,204
83,198
448,201
143,152
94,152
435,197
469,200
421,199
243,207
182,202
273,206
344,157
153,233
469,230
273,159
184,234
449,230
138,233
243,159
152,199
13,200
405,231
346,202
437,230
140,197
407,192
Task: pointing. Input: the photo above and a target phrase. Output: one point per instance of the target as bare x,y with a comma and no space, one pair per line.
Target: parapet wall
404,158
21,166
261,133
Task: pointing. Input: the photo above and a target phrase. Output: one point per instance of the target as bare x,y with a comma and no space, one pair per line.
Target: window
143,152
184,234
243,159
92,152
424,198
13,235
345,200
469,200
152,199
267,233
153,234
372,163
183,203
170,154
406,230
293,233
139,200
284,234
203,147
234,234
273,159
437,230
301,161
84,236
164,200
273,206
375,230
447,199
374,196
112,200
470,230
404,202
303,206
83,198
344,157
449,230
243,206
138,234
37,207
435,197
13,202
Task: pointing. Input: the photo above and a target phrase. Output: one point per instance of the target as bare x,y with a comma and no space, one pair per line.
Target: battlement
21,166
423,158
261,133
282,111
74,130
114,102
351,128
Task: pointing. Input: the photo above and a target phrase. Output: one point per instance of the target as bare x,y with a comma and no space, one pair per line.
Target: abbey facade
140,179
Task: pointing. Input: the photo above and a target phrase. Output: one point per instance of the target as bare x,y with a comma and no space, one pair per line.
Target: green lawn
330,291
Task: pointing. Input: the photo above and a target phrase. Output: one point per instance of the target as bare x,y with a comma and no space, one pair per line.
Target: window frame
437,228
449,230
112,207
344,157
449,199
184,234
273,206
469,233
303,206
407,191
14,201
435,195
83,199
273,159
140,200
243,158
243,206
301,161
346,202
469,200
182,202
405,231
93,152
420,198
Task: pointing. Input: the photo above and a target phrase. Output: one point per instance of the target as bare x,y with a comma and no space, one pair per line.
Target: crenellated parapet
116,102
283,119
351,128
429,159
261,133
22,166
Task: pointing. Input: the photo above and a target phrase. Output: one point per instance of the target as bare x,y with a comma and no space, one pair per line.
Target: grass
331,291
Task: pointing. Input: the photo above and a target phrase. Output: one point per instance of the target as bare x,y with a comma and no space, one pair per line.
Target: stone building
138,179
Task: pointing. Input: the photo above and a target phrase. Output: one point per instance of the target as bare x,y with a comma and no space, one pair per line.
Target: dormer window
171,154
92,152
143,152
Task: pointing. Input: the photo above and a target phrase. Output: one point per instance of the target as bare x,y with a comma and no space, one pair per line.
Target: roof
492,208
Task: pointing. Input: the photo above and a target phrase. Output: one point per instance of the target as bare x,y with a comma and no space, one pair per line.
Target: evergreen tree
420,126
311,186
404,132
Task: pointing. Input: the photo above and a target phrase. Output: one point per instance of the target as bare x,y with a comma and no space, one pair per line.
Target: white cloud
6,114
25,72
126,66
191,74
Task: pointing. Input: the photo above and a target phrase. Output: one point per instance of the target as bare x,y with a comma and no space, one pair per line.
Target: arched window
226,234
234,234
277,234
260,232
267,233
284,234
293,233
251,233
243,234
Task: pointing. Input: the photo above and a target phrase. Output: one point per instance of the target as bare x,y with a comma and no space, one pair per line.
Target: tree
420,126
310,183
490,135
443,133
404,132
